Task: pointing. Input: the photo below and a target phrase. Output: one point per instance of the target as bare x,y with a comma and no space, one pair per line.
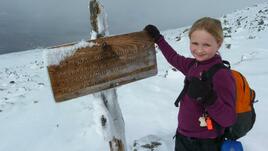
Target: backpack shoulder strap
208,75
185,87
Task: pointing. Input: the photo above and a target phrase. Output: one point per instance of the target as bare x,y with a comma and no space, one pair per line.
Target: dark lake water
30,24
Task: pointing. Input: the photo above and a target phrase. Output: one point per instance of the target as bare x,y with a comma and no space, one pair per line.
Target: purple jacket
222,111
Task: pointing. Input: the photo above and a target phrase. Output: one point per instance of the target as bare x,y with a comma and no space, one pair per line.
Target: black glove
153,32
201,91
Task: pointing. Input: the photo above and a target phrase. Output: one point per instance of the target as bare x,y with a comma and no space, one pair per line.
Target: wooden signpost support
107,63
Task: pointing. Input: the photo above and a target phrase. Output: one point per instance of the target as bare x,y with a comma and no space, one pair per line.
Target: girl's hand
153,32
201,91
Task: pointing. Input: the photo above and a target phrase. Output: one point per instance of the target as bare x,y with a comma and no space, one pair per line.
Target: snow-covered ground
30,120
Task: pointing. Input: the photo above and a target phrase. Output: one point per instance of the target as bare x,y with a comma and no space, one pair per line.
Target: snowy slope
32,121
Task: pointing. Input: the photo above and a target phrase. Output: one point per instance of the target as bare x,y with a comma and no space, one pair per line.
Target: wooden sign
110,62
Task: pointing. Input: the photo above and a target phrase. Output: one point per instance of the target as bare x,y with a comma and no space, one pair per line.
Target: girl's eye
194,43
207,45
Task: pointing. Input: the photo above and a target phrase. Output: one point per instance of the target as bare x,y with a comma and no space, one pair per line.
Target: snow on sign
87,67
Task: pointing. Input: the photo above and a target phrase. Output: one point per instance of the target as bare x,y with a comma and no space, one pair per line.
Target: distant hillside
252,19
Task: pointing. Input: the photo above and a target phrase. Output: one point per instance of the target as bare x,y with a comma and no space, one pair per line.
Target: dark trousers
184,143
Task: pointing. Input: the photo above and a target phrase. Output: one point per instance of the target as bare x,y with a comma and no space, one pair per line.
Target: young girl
206,108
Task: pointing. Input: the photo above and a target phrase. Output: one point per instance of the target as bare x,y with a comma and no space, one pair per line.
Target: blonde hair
211,25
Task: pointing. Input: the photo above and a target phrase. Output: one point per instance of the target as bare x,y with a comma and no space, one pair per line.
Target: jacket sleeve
178,61
223,110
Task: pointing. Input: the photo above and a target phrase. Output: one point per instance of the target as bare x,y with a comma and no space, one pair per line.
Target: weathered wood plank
112,62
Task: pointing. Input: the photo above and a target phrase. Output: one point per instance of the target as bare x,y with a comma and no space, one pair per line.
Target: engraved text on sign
113,61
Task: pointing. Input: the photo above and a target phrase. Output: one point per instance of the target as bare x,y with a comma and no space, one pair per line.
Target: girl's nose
200,48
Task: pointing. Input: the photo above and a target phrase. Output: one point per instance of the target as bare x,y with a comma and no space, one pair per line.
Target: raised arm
178,61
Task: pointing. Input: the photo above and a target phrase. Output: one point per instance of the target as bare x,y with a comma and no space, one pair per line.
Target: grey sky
28,24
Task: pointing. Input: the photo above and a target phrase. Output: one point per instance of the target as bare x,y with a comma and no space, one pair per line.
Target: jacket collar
216,58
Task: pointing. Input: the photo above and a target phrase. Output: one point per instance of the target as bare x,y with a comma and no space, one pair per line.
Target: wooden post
109,97
101,64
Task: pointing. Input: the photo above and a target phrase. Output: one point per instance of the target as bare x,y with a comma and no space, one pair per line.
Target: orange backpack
245,97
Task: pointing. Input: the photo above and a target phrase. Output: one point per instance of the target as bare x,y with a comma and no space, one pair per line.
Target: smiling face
203,45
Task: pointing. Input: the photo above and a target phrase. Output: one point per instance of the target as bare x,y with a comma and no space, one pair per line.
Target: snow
56,55
32,121
102,21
